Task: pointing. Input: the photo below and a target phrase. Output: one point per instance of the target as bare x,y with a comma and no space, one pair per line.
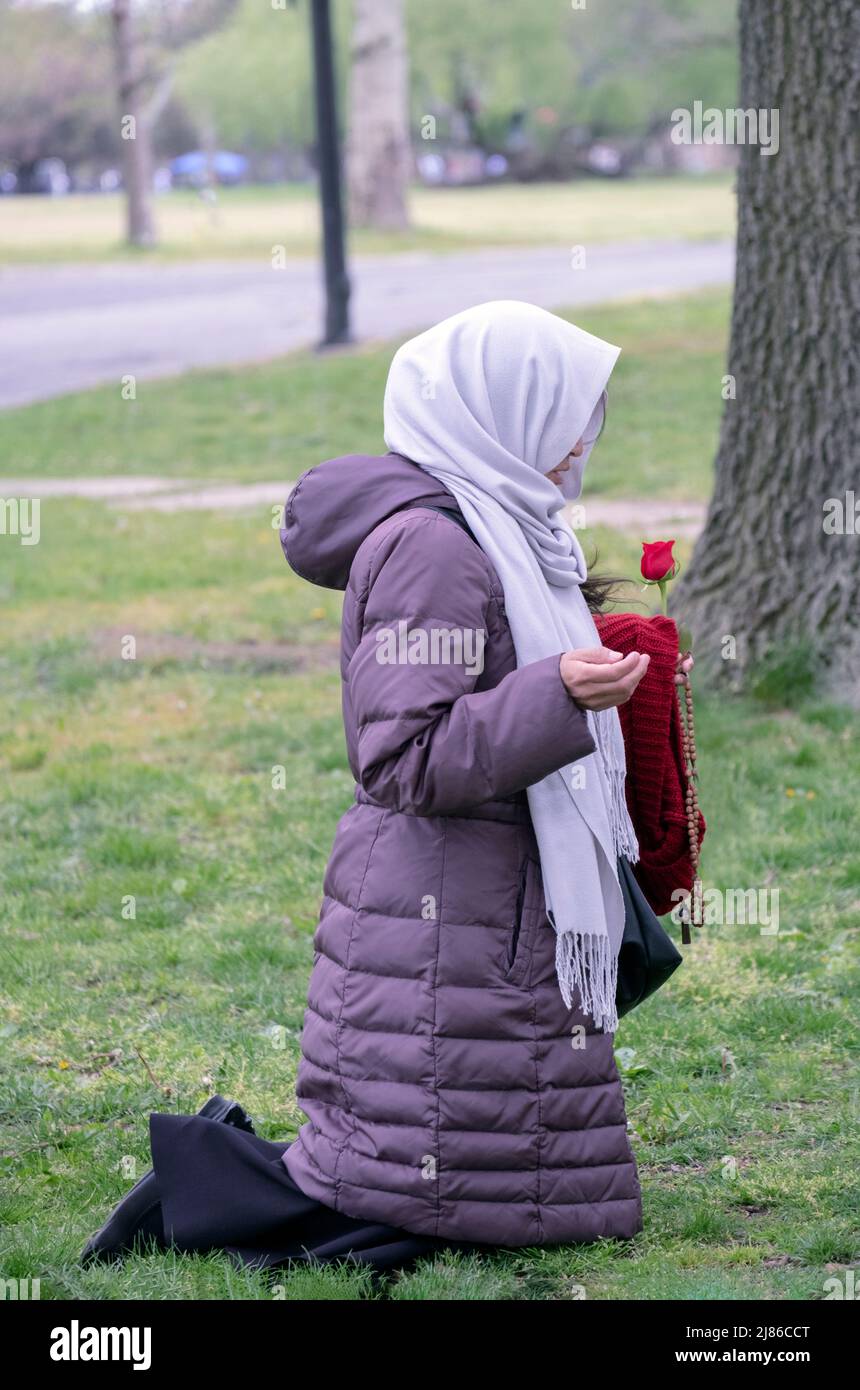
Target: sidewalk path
144,493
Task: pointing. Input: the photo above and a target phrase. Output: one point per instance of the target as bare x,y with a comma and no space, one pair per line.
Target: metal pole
336,278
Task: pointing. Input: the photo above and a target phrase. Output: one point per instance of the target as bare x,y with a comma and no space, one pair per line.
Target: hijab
487,402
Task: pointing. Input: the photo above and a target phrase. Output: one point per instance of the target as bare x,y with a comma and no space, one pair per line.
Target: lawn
251,221
151,779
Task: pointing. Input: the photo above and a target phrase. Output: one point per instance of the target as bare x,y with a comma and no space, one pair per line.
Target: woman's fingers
598,684
685,666
618,681
594,655
594,671
600,678
618,692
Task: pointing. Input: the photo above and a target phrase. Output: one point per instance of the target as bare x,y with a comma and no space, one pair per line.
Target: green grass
152,778
251,221
272,421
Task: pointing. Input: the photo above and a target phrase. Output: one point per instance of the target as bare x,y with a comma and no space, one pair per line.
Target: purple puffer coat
448,1090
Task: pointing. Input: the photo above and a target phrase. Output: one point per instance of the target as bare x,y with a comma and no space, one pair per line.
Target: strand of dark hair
602,591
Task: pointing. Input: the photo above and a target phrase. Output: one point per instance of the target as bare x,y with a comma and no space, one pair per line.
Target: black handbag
648,955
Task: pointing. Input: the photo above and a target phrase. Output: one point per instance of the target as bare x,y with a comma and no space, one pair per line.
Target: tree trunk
136,129
770,569
378,149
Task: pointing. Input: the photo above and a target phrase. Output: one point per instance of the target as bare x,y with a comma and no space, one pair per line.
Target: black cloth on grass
222,1188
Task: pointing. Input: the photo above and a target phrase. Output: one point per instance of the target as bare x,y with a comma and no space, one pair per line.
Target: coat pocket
518,941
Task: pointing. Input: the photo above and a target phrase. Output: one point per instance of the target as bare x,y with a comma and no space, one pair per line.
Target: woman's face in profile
555,474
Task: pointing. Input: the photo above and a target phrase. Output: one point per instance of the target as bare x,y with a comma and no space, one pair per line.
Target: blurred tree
54,74
147,37
777,567
251,79
594,71
56,80
603,72
379,156
247,81
136,126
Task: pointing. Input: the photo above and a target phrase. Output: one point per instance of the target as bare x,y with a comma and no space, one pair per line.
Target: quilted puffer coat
448,1089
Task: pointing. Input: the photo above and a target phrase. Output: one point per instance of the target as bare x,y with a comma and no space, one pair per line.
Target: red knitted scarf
656,779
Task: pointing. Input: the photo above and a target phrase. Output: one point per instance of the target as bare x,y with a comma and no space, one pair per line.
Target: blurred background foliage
539,77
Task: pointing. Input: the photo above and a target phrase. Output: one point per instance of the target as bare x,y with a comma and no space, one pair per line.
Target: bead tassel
693,911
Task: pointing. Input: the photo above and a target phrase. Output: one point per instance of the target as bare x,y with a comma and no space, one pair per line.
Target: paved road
66,328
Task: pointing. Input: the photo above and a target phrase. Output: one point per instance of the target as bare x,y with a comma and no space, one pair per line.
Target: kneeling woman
457,1067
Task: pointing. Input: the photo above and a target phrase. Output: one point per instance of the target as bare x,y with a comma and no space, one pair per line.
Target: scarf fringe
584,962
607,736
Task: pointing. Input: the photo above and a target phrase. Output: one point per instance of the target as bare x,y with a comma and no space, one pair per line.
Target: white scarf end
586,965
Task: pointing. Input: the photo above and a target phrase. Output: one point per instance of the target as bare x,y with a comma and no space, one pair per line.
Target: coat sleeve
428,742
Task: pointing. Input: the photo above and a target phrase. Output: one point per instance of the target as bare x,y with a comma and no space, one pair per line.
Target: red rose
658,562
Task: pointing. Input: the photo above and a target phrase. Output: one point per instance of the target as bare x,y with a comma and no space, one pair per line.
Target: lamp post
336,278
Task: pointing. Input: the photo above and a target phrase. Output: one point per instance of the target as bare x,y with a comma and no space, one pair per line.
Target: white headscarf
487,402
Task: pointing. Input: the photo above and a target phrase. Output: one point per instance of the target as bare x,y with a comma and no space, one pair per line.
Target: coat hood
335,506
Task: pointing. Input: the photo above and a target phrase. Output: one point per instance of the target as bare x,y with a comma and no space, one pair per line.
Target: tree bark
137,151
766,571
378,148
